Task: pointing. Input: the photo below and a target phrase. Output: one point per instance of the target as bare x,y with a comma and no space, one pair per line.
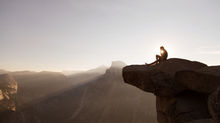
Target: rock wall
186,91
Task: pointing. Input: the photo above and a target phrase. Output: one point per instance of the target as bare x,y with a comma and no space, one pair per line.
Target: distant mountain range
95,96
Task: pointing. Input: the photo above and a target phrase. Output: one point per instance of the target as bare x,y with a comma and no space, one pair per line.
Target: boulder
173,65
205,80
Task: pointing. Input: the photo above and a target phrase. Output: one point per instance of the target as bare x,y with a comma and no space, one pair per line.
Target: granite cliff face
8,90
186,91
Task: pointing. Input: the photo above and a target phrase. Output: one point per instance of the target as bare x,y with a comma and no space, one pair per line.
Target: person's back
163,54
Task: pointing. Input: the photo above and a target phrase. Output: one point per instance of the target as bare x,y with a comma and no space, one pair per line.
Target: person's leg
155,62
158,59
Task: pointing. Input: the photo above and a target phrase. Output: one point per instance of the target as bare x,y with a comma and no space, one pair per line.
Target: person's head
162,50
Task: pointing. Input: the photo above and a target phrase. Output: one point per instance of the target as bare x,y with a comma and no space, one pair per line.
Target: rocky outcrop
159,79
186,91
8,90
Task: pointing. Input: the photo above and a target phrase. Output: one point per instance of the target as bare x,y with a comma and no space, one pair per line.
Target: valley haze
89,61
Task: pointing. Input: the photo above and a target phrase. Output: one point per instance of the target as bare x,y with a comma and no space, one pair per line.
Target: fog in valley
95,96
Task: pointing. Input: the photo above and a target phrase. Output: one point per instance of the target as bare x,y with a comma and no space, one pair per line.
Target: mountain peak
117,64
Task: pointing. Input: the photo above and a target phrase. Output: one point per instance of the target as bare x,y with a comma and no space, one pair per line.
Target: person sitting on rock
160,58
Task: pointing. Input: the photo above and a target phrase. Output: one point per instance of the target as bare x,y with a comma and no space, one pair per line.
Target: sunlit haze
58,35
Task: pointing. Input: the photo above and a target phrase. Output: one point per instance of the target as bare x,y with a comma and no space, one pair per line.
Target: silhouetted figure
160,58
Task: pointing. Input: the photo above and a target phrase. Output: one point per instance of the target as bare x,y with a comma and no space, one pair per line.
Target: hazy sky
82,34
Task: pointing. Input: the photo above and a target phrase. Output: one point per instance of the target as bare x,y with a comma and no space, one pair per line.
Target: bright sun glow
168,45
